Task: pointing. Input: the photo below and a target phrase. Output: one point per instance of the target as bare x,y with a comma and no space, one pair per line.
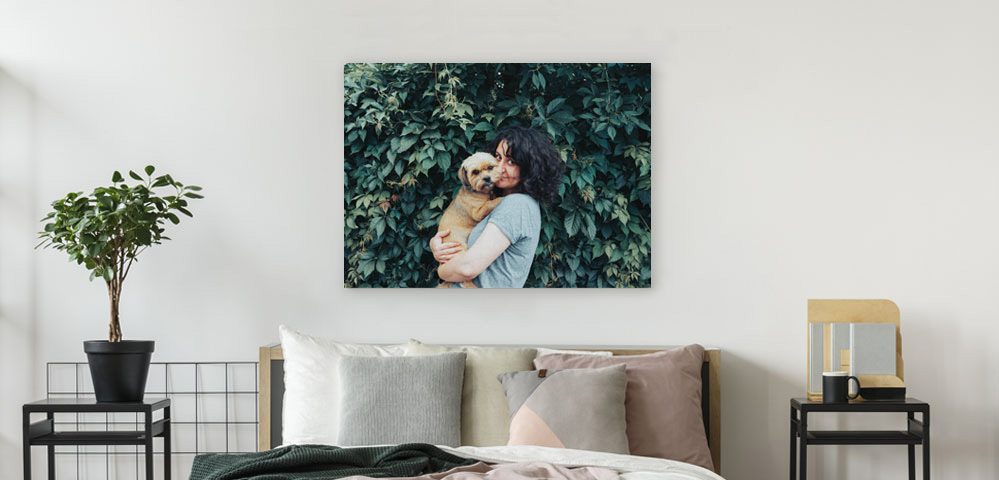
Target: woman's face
508,167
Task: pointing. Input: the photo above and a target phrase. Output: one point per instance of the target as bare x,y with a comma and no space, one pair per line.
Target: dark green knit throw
323,462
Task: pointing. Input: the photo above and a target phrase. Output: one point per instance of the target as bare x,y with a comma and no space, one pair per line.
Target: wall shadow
19,369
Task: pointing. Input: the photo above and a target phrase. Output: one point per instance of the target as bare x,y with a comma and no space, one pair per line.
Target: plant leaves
589,228
406,142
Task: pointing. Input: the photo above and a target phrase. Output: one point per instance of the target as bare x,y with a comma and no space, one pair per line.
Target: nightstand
917,432
44,432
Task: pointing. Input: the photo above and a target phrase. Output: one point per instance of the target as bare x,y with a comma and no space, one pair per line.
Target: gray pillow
575,408
391,400
485,420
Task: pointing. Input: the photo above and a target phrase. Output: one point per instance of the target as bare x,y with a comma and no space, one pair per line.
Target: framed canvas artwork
497,175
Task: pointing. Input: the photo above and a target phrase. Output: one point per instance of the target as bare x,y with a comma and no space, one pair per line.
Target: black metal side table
44,432
917,431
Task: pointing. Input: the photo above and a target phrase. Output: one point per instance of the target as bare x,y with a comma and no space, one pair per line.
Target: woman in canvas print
502,246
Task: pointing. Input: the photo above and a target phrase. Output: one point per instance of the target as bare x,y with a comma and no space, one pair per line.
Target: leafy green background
407,127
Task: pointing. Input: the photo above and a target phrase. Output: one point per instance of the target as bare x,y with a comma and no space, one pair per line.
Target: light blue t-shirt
518,216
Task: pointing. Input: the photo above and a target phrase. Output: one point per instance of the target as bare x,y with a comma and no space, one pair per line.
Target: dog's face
479,172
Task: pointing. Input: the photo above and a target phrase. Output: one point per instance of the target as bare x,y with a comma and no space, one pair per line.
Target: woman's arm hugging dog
478,174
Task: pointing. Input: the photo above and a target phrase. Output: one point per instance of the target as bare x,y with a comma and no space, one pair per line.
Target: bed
272,391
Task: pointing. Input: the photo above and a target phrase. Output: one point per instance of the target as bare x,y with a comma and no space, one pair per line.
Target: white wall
802,150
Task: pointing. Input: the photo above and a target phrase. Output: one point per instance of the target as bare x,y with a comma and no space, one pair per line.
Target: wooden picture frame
849,311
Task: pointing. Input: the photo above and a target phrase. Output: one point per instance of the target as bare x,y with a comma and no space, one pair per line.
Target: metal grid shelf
211,400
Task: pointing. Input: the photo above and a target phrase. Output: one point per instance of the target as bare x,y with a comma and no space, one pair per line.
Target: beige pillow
662,402
484,412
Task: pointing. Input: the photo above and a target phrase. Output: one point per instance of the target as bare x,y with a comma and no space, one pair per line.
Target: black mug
835,387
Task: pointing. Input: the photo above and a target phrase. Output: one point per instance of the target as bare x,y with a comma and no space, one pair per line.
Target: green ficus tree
407,127
106,230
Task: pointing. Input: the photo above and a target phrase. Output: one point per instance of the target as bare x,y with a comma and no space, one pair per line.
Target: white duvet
630,467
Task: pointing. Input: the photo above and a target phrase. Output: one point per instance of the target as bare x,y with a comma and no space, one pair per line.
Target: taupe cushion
663,401
391,400
484,414
580,408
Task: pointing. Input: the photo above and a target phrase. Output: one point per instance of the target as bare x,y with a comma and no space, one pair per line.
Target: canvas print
497,175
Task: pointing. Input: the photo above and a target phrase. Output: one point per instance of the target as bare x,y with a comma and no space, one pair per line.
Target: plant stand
917,432
44,433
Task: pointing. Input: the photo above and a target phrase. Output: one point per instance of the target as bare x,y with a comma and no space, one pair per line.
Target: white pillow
311,412
548,351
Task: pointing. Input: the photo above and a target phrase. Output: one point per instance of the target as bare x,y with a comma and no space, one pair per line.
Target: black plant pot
119,369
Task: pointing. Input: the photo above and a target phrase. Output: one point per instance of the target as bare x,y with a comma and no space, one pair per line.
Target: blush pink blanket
516,471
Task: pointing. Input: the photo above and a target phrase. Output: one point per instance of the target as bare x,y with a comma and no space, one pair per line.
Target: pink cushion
662,401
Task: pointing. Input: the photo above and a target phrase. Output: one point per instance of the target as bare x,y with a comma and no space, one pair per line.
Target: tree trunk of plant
114,329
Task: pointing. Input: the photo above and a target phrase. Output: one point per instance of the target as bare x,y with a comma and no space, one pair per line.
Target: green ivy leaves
408,126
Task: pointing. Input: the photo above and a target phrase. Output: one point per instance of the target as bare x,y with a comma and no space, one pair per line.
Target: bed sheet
630,467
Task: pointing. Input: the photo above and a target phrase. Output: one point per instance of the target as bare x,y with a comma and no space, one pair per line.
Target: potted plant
105,232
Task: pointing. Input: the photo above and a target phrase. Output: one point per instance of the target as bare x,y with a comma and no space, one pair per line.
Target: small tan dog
473,202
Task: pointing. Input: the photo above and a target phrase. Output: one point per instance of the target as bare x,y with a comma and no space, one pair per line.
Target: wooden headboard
272,394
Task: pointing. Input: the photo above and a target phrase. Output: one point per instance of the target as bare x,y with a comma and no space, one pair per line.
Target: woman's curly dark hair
541,169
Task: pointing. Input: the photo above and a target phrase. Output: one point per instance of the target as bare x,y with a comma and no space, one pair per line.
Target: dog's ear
463,176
